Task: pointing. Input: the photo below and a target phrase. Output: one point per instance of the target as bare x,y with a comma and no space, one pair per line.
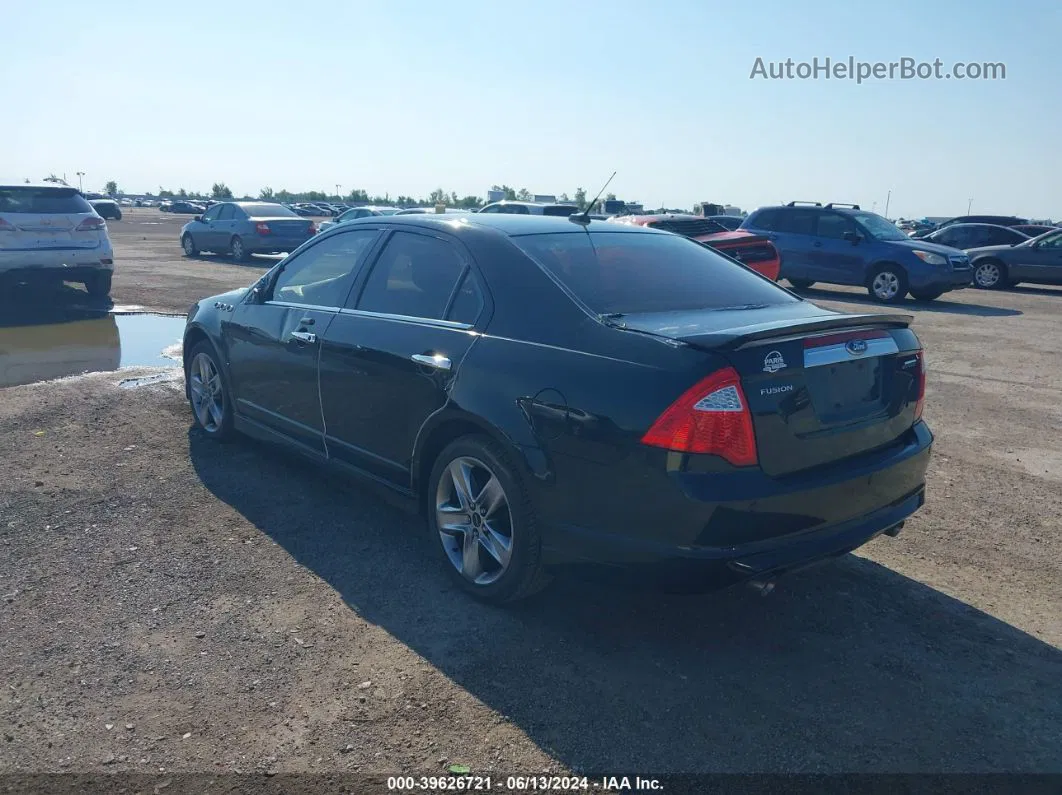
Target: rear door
47,218
831,257
273,346
389,358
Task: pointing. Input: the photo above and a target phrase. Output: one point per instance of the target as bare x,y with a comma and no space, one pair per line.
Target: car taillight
921,401
91,223
6,227
313,228
262,228
712,417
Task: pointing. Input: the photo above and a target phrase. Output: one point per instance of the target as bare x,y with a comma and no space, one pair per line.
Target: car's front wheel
800,284
990,275
189,246
208,392
98,285
481,520
887,284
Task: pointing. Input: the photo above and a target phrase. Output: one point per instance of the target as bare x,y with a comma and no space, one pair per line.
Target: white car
51,233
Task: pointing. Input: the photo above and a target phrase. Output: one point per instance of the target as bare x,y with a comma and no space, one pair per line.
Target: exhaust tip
763,587
894,531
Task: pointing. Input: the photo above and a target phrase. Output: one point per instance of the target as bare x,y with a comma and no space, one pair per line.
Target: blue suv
842,244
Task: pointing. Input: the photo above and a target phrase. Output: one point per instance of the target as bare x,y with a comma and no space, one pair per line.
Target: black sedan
553,393
1038,261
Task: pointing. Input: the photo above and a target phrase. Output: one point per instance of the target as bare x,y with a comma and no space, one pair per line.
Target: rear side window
269,211
796,222
45,201
414,276
834,226
226,213
632,272
765,219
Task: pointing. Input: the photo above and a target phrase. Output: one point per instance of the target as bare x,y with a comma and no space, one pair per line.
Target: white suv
51,232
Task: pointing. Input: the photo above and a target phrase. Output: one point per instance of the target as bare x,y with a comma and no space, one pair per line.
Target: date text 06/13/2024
473,783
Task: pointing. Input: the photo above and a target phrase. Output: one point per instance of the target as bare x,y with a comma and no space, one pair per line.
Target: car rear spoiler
781,330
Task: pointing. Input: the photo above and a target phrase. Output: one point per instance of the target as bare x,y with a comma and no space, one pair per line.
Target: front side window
878,227
414,276
1051,241
633,272
322,274
212,213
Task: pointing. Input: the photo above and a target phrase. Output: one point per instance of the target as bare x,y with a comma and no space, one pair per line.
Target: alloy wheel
189,246
885,285
237,248
207,392
474,520
987,274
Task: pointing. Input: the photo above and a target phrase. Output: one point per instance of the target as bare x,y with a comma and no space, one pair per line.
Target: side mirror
198,218
853,237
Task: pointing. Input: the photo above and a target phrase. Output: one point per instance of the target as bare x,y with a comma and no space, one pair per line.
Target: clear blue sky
406,96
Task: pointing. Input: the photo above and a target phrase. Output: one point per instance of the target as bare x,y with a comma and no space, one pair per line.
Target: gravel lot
170,604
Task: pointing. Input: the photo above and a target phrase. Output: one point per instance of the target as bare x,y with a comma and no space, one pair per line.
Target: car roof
512,225
39,185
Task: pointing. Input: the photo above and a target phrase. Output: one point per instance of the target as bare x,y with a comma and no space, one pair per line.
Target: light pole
969,204
80,174
338,195
887,198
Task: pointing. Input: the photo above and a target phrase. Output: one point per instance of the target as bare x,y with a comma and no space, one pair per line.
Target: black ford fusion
554,393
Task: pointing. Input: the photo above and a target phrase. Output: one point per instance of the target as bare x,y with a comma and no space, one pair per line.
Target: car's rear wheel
926,295
990,274
189,246
208,392
887,284
800,284
481,520
238,249
98,285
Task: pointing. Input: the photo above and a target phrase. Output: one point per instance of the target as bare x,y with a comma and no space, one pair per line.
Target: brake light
920,402
93,222
262,228
6,227
711,417
313,228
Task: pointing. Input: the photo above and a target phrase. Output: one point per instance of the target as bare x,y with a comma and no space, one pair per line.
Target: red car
753,251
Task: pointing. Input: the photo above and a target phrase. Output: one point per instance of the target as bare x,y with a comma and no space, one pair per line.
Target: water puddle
46,345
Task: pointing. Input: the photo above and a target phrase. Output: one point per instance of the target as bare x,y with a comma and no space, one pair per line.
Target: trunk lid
821,386
286,226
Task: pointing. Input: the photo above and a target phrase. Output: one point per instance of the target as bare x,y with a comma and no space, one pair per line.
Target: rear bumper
745,525
265,244
49,261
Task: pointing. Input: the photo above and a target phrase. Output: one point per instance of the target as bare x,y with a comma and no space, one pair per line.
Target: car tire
887,284
207,389
800,284
926,295
497,556
118,215
189,246
238,249
98,285
990,274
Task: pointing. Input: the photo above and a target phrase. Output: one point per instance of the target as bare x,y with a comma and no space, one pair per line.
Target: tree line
219,190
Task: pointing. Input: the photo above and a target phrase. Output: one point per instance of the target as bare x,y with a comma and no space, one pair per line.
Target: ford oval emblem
856,347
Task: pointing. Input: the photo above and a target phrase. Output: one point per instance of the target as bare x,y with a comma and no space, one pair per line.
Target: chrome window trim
293,305
835,354
408,319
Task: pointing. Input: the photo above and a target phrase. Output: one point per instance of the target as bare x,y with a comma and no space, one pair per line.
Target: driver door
272,340
1042,262
204,228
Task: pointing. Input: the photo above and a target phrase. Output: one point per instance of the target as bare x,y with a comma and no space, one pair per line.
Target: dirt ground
168,604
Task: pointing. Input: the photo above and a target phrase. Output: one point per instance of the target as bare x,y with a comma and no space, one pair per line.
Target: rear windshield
45,201
268,211
560,209
632,272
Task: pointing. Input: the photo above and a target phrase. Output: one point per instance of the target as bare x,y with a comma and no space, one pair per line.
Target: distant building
545,198
495,196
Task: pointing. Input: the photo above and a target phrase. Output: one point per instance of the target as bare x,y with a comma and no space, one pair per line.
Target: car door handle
307,321
304,336
431,360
